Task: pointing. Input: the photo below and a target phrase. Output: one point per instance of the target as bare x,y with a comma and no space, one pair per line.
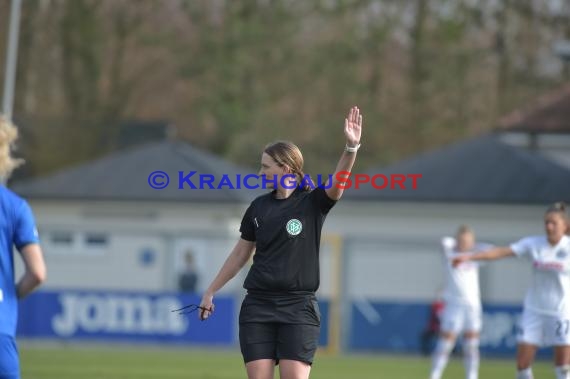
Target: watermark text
343,180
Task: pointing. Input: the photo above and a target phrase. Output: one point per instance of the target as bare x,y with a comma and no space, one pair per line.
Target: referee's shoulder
261,198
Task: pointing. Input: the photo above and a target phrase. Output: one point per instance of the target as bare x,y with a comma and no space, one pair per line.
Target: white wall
117,266
142,242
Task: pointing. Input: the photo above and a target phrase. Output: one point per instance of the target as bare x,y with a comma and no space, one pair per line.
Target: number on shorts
562,328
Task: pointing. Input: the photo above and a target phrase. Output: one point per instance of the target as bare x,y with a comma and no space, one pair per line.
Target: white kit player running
546,313
462,311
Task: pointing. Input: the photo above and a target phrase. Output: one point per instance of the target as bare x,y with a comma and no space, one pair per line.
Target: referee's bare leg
289,369
260,369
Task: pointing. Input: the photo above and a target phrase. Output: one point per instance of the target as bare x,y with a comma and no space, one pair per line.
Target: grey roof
125,176
483,170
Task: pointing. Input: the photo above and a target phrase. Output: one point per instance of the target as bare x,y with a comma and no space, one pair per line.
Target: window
76,243
96,240
61,238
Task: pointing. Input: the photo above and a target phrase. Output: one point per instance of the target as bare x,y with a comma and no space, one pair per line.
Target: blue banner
398,327
148,317
125,316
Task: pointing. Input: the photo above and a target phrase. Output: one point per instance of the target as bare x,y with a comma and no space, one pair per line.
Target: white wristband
349,149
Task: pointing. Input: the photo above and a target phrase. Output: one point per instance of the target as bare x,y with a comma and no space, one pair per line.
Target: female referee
546,315
17,228
279,318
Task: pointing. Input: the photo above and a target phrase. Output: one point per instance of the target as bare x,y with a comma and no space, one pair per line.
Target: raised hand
353,127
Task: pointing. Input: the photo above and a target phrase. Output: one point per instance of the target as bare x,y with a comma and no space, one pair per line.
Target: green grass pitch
100,362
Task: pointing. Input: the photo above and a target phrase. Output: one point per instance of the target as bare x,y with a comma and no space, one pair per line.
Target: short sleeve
447,248
25,231
247,228
322,201
448,243
522,247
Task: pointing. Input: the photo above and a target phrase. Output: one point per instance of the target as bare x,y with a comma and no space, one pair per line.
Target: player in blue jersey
17,229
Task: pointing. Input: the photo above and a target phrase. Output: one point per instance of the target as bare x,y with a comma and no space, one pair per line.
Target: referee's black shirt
287,233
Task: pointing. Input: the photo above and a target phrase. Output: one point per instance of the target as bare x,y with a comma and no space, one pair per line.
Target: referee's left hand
206,306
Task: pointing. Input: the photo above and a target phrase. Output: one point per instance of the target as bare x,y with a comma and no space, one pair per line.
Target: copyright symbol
158,180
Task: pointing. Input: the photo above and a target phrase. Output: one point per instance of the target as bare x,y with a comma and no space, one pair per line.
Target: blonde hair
464,229
286,153
8,135
562,209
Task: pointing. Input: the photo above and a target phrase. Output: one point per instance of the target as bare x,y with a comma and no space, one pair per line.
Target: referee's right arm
240,254
237,259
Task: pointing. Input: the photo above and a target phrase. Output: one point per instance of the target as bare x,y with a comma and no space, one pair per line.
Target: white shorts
458,318
544,330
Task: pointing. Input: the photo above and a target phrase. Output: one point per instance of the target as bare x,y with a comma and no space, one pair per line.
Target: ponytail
305,181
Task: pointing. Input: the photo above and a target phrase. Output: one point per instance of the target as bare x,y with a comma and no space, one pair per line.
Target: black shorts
277,341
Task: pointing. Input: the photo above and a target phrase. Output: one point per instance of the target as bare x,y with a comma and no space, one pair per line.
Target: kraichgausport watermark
344,180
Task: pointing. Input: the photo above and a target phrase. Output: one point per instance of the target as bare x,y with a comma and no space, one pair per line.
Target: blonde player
17,229
462,311
546,313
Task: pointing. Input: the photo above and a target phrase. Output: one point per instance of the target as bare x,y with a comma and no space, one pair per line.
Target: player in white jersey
546,313
462,311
